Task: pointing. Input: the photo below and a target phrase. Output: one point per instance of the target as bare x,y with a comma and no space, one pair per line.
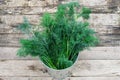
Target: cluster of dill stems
62,36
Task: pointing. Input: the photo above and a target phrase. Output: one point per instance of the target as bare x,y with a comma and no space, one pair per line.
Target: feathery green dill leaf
62,37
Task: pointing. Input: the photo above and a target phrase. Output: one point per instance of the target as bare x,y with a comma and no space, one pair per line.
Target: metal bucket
60,74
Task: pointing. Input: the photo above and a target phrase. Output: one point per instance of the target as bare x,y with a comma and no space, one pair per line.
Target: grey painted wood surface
83,68
99,63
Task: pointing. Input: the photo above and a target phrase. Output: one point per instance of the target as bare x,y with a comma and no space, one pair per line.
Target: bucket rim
60,69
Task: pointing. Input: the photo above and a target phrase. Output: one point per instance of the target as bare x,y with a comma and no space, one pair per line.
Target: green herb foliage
62,36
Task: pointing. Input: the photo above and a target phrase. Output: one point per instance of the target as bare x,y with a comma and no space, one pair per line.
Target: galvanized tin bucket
60,74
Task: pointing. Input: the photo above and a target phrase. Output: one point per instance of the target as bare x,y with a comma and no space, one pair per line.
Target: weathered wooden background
100,63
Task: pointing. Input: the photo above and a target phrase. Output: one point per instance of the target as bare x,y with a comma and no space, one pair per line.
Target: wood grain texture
101,53
106,26
27,10
83,68
101,68
78,78
14,3
93,2
39,6
109,40
16,19
98,63
95,53
12,40
95,19
100,29
40,10
101,23
69,78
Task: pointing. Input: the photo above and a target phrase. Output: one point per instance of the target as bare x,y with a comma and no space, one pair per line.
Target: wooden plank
13,40
40,10
14,78
109,39
13,7
10,39
111,26
101,53
114,4
95,19
83,68
95,53
12,20
26,10
10,53
108,43
93,2
99,22
4,28
106,29
108,35
22,68
9,29
101,68
104,19
14,3
69,78
35,6
99,29
78,78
